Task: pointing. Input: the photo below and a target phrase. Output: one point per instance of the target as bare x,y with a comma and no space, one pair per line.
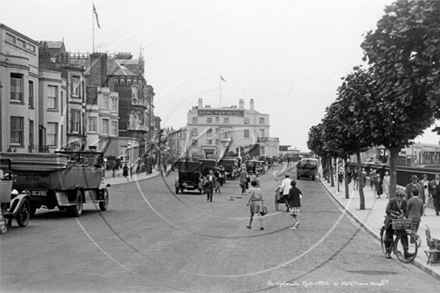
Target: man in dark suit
397,207
411,186
434,191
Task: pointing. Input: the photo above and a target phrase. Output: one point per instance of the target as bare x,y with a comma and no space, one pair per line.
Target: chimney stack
252,104
200,104
241,104
98,69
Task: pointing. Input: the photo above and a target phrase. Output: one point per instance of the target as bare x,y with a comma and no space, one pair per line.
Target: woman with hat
424,184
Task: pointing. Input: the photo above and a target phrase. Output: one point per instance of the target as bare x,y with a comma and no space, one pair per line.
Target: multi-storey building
31,96
53,55
229,130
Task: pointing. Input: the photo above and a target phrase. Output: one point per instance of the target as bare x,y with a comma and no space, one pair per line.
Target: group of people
411,204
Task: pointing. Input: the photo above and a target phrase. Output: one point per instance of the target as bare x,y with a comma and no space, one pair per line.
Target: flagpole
93,32
220,92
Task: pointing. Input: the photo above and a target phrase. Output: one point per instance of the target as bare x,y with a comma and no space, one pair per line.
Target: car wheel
24,213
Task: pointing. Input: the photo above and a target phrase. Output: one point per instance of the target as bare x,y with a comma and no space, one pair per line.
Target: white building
223,131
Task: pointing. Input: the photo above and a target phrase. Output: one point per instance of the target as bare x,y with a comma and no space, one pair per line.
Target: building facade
216,132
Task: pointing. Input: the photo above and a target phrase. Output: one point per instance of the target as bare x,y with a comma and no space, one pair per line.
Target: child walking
294,199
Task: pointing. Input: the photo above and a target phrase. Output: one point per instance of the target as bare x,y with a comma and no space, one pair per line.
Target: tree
404,55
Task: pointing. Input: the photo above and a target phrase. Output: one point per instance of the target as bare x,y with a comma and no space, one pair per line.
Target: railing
38,148
268,139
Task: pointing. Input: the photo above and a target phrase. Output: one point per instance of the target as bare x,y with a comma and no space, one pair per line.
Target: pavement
372,217
119,179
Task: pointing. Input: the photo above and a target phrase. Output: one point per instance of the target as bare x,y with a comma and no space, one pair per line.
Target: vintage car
189,176
307,167
231,168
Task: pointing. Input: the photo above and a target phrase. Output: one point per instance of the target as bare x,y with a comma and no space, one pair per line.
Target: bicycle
402,231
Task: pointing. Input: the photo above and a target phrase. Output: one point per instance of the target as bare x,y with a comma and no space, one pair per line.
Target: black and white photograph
219,146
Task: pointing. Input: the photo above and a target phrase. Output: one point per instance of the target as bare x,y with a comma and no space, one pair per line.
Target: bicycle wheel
405,247
382,240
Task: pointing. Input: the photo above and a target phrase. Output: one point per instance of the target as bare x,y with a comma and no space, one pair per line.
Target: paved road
151,240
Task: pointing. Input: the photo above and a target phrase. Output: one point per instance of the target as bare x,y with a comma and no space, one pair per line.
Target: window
128,81
76,118
10,38
52,133
195,132
17,130
21,43
116,81
194,120
105,100
75,86
62,135
226,120
261,132
261,120
31,132
216,131
194,142
52,97
114,128
115,105
122,81
30,47
246,133
31,94
92,123
246,120
209,141
225,133
16,87
217,120
209,132
105,126
62,103
209,120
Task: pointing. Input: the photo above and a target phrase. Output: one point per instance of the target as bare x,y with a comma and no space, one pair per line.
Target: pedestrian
125,172
256,203
396,207
209,185
386,184
434,190
411,186
355,176
285,187
257,179
373,181
379,189
244,184
294,198
415,212
424,185
364,177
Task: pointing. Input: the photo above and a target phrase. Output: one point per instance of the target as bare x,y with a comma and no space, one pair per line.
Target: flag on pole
221,78
96,15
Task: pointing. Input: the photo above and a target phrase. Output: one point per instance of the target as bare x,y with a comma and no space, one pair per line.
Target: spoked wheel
382,240
103,205
24,213
405,247
76,210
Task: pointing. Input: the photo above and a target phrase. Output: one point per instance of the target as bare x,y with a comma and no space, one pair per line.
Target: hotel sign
221,112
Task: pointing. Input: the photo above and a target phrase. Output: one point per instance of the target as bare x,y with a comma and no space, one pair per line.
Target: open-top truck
65,180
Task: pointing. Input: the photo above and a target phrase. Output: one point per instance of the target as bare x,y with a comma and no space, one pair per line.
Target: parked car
307,167
189,176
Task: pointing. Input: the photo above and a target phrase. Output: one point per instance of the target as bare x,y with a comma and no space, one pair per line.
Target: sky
287,55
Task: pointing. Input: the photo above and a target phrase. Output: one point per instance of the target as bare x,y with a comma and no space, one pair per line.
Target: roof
114,67
54,44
